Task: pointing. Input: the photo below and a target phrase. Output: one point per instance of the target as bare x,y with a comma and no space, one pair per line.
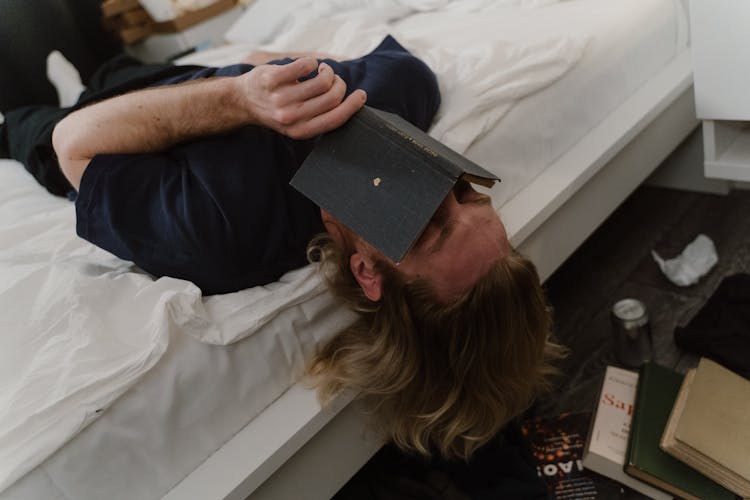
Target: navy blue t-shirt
219,210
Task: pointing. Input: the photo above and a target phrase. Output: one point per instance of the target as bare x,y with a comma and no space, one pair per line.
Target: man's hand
278,100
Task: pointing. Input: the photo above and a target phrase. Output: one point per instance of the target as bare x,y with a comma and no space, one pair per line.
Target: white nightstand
720,41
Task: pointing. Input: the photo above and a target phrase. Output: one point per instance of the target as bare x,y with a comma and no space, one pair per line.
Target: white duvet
481,72
79,326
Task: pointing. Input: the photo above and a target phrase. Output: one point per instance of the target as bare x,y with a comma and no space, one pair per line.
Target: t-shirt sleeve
395,81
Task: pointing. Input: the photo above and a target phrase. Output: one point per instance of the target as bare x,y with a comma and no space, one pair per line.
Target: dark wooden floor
615,263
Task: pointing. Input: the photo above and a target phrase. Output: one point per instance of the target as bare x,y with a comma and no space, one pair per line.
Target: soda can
633,342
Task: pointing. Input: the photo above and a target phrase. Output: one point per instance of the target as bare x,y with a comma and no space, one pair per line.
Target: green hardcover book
655,395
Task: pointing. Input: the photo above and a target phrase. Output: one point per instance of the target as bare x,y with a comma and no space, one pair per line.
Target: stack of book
664,434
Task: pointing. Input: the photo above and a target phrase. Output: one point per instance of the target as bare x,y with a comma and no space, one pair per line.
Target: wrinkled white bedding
70,343
80,326
481,73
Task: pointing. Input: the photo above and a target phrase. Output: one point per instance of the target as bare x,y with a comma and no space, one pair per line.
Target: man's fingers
324,102
331,119
302,91
292,72
312,107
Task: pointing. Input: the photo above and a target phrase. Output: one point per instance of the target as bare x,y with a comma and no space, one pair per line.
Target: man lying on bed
190,178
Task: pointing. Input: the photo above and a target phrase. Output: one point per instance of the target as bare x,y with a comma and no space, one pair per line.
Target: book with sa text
383,178
607,441
655,396
709,427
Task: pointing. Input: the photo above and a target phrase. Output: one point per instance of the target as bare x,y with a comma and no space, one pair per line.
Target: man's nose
450,203
447,209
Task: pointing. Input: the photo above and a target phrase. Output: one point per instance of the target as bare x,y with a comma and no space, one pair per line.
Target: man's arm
154,119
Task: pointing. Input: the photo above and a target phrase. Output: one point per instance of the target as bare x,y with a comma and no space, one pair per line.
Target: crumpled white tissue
693,263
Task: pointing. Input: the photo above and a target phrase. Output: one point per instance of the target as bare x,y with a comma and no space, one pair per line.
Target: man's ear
363,269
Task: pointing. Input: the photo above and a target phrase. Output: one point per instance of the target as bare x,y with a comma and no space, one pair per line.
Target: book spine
634,422
407,142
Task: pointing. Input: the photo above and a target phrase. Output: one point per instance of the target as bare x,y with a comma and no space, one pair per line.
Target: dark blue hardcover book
383,178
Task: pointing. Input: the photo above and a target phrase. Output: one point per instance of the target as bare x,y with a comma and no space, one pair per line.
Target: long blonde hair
440,379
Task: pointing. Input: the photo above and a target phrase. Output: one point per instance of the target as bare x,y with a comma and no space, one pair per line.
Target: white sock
65,77
2,119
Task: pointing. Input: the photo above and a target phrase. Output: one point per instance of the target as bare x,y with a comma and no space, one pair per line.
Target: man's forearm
148,120
154,119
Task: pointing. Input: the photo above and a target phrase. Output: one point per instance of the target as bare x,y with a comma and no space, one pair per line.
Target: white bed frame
296,450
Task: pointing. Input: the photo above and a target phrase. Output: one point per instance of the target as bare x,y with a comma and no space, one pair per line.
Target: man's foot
65,77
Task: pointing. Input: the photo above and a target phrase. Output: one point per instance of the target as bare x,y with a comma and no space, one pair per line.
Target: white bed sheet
58,294
481,72
80,327
198,396
195,399
558,100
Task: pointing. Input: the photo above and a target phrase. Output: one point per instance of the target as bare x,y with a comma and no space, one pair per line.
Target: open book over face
384,178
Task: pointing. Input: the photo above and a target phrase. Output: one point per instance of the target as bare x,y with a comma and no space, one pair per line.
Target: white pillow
265,20
262,20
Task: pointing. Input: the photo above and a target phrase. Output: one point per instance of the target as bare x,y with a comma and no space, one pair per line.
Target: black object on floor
721,329
502,469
